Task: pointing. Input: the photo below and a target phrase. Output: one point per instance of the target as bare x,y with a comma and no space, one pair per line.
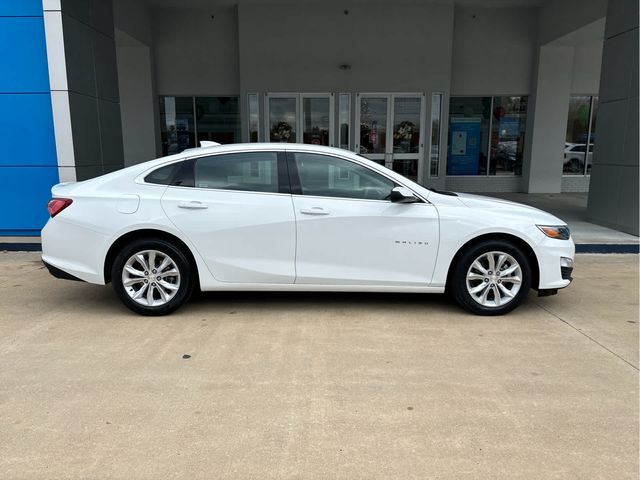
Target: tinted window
161,176
252,171
326,176
579,148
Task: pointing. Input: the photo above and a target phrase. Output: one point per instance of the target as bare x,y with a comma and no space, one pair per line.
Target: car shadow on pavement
338,299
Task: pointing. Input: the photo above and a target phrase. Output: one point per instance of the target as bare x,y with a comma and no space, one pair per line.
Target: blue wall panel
26,130
26,191
28,163
23,56
20,8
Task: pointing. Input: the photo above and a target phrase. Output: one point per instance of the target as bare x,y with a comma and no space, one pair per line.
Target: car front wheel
152,277
491,278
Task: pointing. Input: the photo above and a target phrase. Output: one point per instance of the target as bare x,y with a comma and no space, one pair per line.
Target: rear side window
162,176
251,172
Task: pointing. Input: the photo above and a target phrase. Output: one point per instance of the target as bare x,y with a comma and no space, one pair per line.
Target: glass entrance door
282,118
301,118
390,131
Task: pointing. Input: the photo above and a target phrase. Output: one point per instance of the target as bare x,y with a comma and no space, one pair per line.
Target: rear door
237,210
350,233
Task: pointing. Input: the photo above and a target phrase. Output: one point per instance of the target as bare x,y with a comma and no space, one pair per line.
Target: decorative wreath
404,131
281,131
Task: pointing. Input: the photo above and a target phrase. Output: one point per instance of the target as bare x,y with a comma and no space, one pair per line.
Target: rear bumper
74,250
61,274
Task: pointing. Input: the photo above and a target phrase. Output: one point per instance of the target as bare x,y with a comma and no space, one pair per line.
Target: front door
350,233
390,131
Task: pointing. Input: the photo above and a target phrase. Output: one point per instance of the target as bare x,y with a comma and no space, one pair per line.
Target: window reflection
406,125
486,135
468,135
345,116
436,116
253,118
218,119
507,135
282,119
315,119
213,118
177,130
580,134
373,125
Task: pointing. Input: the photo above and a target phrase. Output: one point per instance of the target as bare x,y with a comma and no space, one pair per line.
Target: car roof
251,147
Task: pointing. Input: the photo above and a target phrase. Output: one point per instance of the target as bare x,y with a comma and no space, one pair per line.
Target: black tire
184,266
576,165
458,281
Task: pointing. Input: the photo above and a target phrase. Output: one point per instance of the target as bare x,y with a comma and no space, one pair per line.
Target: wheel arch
527,249
152,233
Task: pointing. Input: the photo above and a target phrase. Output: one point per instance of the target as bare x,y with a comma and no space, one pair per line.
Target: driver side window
325,176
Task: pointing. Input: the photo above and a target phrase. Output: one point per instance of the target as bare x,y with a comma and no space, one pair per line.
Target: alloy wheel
494,279
151,278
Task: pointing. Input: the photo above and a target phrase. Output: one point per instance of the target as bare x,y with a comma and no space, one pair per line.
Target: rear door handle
192,205
314,211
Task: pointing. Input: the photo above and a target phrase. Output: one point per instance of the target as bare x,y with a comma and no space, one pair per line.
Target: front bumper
566,273
555,260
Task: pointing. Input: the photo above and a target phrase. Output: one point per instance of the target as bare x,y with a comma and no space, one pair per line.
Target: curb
607,248
20,247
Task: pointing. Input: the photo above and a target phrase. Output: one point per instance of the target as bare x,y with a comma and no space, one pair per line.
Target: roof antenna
206,144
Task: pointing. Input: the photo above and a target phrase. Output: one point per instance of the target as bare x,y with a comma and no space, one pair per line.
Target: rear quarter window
162,175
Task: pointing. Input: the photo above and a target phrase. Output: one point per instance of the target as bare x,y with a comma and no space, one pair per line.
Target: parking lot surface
288,386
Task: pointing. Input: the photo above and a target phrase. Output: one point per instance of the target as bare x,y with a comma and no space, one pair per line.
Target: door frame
299,98
389,156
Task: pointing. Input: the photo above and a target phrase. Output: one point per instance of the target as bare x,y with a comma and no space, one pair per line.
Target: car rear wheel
152,277
491,278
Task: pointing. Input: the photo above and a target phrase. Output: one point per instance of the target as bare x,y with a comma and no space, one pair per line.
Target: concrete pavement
307,386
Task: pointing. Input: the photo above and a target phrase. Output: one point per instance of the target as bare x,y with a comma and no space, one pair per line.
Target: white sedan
297,218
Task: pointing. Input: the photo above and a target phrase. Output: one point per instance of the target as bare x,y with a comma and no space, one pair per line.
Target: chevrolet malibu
298,218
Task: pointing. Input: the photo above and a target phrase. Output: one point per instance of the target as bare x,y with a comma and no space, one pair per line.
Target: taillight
56,205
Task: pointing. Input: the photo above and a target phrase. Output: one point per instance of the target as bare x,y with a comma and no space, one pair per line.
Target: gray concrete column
613,193
92,129
548,110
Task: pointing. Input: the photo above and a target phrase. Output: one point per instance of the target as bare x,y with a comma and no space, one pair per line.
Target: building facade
469,95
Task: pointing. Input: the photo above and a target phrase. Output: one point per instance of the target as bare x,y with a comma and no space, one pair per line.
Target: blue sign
464,146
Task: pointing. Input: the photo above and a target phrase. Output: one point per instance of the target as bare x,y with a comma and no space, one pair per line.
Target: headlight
559,232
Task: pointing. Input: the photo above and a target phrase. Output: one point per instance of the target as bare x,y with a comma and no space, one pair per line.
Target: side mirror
403,195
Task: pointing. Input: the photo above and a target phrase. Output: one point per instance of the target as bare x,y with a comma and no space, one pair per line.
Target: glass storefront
580,138
507,135
345,120
389,130
218,119
177,130
183,120
316,113
436,115
373,125
283,114
486,135
253,116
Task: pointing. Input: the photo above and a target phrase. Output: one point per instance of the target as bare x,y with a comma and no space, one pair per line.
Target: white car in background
574,157
300,218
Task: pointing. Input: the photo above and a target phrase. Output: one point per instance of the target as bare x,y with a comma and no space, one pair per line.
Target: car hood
509,207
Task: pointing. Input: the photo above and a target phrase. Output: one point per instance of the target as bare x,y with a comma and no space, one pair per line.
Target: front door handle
192,205
314,211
